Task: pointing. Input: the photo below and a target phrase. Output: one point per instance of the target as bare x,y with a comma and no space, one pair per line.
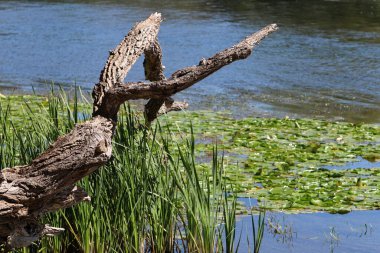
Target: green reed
150,197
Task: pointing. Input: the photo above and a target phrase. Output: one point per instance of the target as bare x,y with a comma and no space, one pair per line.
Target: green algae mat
292,165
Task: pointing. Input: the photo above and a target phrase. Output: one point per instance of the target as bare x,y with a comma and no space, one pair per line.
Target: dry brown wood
154,71
181,79
153,68
47,184
121,59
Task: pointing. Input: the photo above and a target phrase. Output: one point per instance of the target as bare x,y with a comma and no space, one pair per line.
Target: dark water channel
324,63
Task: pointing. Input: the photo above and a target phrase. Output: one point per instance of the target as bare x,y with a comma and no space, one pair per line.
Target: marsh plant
151,197
170,188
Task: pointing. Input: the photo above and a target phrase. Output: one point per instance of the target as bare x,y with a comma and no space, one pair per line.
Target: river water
324,61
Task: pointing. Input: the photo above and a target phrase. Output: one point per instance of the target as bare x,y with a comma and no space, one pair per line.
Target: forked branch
48,183
179,80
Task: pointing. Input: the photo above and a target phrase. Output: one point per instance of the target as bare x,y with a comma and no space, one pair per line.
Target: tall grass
149,198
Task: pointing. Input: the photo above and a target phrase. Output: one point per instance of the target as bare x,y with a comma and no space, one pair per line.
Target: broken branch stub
47,184
154,71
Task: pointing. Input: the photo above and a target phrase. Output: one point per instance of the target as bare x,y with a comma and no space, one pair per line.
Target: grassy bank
174,187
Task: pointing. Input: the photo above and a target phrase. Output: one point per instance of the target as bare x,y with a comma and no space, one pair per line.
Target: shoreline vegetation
148,198
47,183
105,175
174,187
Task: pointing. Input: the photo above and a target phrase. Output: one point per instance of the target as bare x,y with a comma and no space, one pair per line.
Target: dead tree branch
179,80
47,184
154,71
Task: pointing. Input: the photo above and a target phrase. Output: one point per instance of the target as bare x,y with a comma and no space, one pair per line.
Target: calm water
324,62
356,232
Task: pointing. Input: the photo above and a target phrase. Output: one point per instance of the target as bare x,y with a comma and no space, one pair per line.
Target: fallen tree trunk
48,183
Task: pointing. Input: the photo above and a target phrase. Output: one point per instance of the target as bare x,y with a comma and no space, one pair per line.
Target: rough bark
179,80
120,61
154,71
47,184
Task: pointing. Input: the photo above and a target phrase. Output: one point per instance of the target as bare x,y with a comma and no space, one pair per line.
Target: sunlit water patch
317,232
360,163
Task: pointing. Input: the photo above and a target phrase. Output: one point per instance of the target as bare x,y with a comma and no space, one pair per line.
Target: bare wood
122,58
153,68
186,77
171,105
151,109
154,71
47,184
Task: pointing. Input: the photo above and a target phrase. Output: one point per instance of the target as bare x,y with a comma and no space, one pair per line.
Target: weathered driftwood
47,184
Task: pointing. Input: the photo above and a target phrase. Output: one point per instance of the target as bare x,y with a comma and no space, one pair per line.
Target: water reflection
324,62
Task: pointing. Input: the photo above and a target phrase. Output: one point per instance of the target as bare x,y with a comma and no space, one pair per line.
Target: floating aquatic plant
284,163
